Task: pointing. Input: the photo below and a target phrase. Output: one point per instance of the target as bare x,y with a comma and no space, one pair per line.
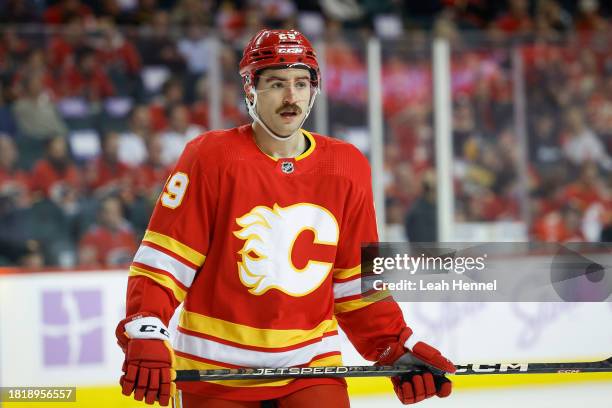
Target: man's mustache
289,108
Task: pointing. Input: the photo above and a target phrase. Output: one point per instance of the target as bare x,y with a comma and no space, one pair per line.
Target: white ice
591,395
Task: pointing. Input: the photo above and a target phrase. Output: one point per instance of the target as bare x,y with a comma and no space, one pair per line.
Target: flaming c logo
269,235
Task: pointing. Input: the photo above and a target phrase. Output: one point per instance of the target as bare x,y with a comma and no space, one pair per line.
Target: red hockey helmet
278,48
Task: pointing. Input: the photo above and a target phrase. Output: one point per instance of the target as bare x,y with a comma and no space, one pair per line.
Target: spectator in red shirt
110,242
585,191
61,12
55,176
151,175
517,20
106,174
86,78
589,18
172,95
572,221
62,47
116,53
558,226
35,65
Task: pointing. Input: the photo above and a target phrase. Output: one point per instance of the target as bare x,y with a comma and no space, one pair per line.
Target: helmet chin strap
253,113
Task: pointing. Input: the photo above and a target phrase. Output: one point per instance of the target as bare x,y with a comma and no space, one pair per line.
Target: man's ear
249,93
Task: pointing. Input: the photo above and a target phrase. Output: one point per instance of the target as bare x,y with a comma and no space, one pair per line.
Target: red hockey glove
413,388
147,369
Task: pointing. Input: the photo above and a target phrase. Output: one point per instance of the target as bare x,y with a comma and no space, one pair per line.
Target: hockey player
258,234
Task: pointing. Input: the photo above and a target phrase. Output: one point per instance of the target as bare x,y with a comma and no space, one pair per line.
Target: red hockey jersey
265,255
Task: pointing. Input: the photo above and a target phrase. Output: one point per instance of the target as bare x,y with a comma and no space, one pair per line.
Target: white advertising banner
512,332
59,329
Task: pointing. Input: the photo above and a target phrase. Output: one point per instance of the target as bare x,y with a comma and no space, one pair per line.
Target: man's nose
289,94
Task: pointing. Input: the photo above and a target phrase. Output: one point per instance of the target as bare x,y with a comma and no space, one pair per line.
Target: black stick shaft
389,371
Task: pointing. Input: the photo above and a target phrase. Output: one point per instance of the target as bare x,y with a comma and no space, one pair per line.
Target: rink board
58,329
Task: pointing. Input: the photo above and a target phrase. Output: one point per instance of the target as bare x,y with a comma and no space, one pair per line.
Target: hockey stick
604,366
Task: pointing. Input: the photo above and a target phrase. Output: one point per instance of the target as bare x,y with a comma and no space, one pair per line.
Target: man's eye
277,85
301,84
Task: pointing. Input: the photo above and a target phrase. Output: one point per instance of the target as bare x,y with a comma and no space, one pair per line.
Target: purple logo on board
72,327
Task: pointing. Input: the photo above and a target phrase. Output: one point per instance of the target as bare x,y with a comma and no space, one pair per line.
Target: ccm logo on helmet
290,50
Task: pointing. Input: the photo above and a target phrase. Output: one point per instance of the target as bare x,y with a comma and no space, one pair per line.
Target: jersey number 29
175,190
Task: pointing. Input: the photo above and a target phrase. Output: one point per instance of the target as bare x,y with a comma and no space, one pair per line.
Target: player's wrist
395,350
146,327
140,326
410,350
410,342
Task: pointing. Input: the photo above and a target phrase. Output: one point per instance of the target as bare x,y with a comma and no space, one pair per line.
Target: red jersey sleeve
371,323
176,242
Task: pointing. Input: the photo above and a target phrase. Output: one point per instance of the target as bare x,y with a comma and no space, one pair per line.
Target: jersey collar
302,156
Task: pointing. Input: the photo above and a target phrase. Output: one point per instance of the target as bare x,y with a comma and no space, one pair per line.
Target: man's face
141,118
111,145
111,214
8,152
155,149
58,148
283,96
179,118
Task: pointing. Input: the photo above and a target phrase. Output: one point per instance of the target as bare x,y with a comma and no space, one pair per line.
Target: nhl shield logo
287,167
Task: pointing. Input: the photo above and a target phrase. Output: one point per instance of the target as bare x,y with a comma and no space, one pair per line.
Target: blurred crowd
98,99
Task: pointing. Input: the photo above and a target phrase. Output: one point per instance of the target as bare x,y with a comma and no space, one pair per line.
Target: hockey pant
322,395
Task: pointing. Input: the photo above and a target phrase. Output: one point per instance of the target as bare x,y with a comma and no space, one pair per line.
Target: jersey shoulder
342,158
216,146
